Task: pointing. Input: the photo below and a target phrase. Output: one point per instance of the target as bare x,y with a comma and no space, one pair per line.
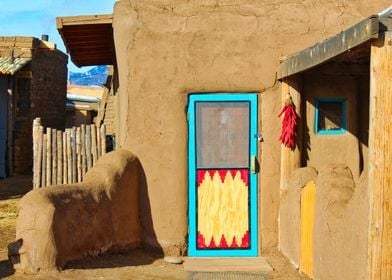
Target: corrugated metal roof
9,68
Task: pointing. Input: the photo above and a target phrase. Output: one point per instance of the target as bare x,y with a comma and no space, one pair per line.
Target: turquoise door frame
3,123
252,251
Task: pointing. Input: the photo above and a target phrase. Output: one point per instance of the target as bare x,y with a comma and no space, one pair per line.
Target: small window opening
330,116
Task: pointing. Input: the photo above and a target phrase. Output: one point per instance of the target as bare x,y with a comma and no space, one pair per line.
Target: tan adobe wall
167,49
351,83
59,224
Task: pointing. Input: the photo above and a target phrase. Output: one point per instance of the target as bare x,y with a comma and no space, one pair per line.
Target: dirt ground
133,265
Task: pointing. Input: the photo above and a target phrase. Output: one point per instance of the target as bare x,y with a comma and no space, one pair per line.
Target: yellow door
308,199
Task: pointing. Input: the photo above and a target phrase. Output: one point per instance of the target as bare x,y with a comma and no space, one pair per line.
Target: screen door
222,174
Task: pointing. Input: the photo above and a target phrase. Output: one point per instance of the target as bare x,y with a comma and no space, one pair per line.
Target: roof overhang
324,51
88,39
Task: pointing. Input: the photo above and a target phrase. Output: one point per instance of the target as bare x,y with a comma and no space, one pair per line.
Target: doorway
222,131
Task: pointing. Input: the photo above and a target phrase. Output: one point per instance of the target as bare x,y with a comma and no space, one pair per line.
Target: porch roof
9,66
364,31
88,39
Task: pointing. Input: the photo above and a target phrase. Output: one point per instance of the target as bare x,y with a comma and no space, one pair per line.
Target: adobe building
175,55
33,80
198,91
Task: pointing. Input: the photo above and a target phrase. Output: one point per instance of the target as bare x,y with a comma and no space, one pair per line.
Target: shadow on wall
149,239
109,212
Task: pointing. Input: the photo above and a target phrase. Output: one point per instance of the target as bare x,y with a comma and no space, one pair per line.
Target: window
330,116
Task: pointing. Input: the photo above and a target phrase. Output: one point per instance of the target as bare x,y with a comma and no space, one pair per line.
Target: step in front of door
251,264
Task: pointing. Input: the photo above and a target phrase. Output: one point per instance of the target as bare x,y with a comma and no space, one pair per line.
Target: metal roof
364,31
9,67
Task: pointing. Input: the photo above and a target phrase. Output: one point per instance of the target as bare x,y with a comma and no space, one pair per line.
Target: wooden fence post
54,157
88,147
44,157
65,161
83,149
73,144
40,140
103,139
94,143
79,154
59,157
48,156
69,155
36,179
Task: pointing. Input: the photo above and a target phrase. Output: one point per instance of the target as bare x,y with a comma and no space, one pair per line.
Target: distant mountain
94,77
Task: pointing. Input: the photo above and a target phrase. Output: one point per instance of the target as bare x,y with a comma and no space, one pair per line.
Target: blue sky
37,17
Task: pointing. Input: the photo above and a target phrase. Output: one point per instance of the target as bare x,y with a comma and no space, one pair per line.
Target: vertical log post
65,161
54,157
48,156
74,169
79,154
83,149
94,143
69,155
88,147
99,145
103,139
380,160
291,158
44,146
59,157
40,139
36,125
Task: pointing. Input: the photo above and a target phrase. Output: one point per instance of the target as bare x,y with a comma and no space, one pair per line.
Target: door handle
253,165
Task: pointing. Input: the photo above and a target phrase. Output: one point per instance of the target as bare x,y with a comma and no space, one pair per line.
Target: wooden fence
63,157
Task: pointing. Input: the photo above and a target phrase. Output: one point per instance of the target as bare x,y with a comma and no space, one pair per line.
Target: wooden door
3,123
222,175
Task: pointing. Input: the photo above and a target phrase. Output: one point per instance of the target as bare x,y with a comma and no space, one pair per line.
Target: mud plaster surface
167,49
59,224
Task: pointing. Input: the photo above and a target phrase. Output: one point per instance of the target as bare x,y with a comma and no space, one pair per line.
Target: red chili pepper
289,124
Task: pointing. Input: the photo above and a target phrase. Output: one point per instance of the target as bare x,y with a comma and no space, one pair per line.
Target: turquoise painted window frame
252,98
342,130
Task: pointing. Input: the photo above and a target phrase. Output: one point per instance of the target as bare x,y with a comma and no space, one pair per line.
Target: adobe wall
167,49
351,83
64,223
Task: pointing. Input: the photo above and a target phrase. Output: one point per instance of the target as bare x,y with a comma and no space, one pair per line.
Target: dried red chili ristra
289,123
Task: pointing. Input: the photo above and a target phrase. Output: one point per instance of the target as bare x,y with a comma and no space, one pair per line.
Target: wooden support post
54,157
40,140
69,155
291,158
88,147
99,145
83,149
79,154
59,157
94,143
74,169
48,156
36,179
65,161
380,160
103,139
11,123
43,168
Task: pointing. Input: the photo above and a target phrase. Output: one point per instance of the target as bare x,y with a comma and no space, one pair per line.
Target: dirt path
135,265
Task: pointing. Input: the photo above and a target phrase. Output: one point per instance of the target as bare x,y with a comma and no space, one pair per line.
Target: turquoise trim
222,97
330,132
